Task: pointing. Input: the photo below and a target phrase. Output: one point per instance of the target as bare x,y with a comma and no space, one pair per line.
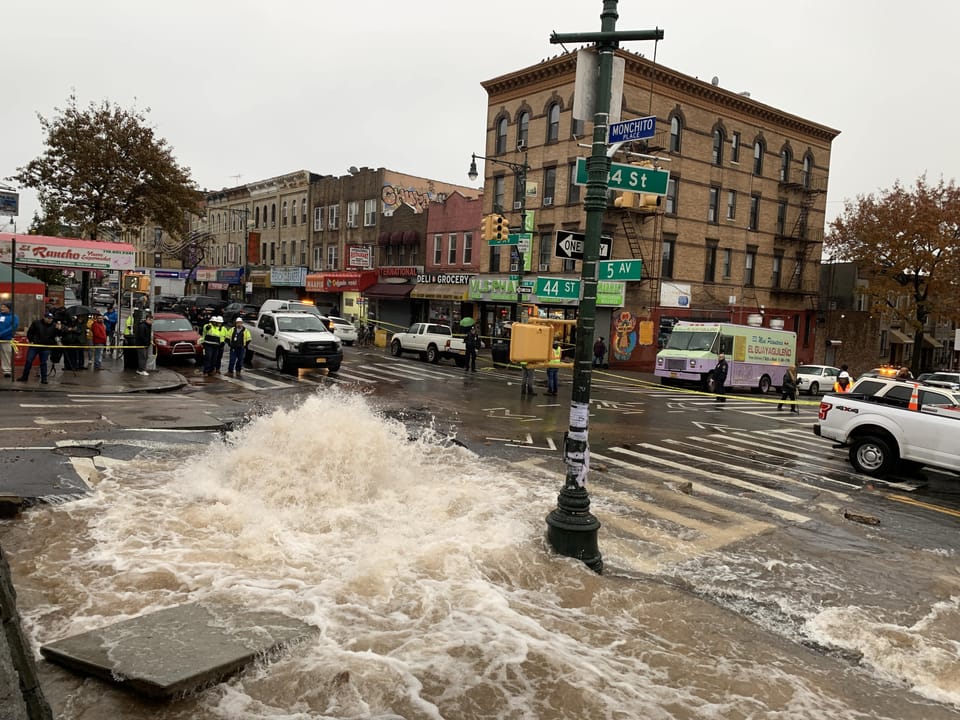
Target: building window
494,259
549,185
293,213
501,146
573,190
437,249
353,212
452,249
782,218
713,206
710,262
467,248
273,215
283,214
553,123
735,147
676,133
264,216
318,219
333,217
666,257
332,257
499,190
303,211
731,204
293,252
273,252
785,159
749,264
412,254
568,265
546,251
754,212
369,212
283,252
256,217
518,190
670,208
807,165
318,258
727,261
718,141
523,129
758,151
777,268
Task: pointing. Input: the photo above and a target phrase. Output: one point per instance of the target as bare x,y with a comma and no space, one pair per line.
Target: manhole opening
78,451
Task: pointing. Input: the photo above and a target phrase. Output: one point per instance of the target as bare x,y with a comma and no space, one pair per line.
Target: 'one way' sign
570,245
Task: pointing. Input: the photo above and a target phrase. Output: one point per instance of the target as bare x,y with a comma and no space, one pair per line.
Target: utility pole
571,527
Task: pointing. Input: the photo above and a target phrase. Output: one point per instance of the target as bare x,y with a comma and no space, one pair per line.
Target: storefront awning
66,253
389,290
438,291
341,281
898,338
930,341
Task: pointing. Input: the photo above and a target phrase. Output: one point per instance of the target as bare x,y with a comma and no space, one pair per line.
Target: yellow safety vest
557,356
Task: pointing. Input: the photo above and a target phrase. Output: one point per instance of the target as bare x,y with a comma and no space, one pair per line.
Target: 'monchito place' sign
67,253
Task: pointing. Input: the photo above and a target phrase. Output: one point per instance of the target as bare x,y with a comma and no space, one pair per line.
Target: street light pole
520,171
571,527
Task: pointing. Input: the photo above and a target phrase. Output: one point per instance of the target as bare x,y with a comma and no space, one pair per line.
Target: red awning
389,290
396,237
384,238
410,237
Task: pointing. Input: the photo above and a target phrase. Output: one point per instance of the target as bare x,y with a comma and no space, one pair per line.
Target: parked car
949,380
343,329
165,303
884,371
247,312
175,338
102,296
811,379
139,299
70,297
196,308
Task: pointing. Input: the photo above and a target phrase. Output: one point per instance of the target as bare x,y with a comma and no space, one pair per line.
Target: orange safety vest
837,387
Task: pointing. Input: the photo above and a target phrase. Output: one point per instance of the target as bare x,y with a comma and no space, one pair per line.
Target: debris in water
864,519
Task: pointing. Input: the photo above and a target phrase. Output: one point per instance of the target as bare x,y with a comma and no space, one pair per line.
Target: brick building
738,234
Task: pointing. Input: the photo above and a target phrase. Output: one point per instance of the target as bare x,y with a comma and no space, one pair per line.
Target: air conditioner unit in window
547,201
517,204
514,267
544,267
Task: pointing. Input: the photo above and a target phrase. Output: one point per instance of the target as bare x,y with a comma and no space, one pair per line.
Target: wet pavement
111,379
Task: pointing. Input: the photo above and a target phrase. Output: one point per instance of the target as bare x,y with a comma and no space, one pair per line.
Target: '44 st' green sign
631,178
557,288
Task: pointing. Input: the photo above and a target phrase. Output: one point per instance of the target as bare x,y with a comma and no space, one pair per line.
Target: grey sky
259,89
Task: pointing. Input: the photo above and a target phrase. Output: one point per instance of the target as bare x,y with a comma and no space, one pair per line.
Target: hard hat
238,319
844,374
217,318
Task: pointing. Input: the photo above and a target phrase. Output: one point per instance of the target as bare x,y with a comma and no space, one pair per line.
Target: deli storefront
442,297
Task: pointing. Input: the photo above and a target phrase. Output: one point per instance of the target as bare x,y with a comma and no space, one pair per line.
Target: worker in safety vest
553,369
214,335
843,384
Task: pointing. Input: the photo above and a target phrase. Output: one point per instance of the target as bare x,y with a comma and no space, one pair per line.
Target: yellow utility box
530,343
380,337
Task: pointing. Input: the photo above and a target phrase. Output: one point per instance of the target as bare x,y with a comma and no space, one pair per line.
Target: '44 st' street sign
631,178
558,288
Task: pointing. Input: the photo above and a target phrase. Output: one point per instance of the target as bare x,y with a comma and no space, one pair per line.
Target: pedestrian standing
720,378
110,322
471,343
526,380
553,369
9,323
224,334
212,343
788,389
98,333
143,339
239,339
599,350
42,336
843,384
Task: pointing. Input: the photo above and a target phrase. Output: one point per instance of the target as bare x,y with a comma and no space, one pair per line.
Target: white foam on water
426,572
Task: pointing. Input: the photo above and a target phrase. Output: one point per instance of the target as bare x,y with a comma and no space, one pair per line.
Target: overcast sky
246,90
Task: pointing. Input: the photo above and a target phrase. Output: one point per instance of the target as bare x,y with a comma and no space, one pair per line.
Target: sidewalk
112,379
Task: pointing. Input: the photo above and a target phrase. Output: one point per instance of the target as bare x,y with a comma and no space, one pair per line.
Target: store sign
360,256
206,274
611,293
288,276
444,278
492,288
41,251
400,271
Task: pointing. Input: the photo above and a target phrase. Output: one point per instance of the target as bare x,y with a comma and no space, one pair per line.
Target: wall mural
625,335
393,196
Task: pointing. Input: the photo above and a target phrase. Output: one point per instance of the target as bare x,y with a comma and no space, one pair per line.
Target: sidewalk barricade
20,354
380,337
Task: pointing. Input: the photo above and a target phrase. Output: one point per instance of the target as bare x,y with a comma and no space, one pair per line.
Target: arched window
273,214
283,213
256,217
501,136
758,150
807,166
293,213
718,141
264,215
785,159
553,122
303,211
523,129
676,133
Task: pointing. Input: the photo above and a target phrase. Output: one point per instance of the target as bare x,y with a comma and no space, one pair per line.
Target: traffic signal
486,227
500,229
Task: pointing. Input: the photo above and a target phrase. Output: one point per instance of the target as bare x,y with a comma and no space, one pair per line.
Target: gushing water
425,570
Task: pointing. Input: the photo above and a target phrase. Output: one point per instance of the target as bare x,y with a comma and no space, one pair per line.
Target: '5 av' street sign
631,178
570,245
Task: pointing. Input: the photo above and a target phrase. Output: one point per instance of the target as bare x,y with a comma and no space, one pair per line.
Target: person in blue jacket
9,323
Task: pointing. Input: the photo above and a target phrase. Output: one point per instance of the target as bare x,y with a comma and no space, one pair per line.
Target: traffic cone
914,399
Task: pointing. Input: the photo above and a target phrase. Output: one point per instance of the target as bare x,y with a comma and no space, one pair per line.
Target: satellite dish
715,81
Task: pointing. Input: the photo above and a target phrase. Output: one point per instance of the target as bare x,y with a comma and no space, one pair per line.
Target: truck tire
333,368
396,349
433,354
872,455
283,363
764,386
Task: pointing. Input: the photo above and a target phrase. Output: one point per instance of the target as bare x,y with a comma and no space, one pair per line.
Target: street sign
636,129
630,178
570,245
558,288
621,270
524,290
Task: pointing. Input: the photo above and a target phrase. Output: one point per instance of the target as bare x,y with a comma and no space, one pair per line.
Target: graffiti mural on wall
393,196
625,335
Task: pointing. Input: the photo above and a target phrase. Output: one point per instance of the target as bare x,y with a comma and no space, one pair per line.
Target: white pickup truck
431,341
890,424
295,340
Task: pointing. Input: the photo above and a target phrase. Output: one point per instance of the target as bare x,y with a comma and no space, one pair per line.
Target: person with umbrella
471,344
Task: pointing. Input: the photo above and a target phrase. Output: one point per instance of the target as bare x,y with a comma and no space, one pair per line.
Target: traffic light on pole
500,231
488,227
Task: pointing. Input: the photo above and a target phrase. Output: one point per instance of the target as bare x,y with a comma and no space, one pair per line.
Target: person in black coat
143,339
788,389
471,343
42,336
720,378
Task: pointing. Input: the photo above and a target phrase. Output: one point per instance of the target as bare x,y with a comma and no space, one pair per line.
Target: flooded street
426,573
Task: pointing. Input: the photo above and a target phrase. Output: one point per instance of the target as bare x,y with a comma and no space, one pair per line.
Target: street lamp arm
519,169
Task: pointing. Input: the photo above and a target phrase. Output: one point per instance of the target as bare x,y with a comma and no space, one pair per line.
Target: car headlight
295,346
161,341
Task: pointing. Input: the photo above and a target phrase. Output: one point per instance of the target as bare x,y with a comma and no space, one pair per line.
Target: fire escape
800,237
633,210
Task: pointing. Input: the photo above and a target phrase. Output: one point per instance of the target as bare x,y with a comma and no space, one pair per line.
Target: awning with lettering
341,281
389,290
898,338
437,291
67,253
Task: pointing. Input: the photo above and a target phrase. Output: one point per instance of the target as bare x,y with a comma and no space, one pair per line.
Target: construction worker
843,384
553,368
213,337
238,340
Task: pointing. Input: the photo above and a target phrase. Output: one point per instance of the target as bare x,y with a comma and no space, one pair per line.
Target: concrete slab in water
178,650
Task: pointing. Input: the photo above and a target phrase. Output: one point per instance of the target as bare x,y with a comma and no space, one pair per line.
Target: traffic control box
530,343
